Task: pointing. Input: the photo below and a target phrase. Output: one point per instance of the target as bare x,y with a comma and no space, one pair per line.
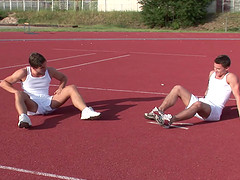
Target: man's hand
58,91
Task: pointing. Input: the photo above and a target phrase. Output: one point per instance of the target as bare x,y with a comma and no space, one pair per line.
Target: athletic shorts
216,111
43,105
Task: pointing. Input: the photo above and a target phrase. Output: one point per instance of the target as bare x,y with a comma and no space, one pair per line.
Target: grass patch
86,18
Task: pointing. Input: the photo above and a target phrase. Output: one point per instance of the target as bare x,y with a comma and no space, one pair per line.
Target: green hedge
3,14
173,13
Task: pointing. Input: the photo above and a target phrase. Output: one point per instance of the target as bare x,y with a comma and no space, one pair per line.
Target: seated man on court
221,84
35,98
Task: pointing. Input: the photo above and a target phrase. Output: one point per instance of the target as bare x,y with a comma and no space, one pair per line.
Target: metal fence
37,5
232,24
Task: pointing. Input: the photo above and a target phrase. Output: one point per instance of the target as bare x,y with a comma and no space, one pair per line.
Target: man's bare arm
60,77
233,81
8,82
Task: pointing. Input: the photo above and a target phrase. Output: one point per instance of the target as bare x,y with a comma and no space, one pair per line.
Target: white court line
81,55
175,126
125,91
106,51
38,173
94,62
144,53
51,60
122,90
170,54
117,90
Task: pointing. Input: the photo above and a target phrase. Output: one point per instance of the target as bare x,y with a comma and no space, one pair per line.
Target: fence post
52,5
24,5
4,5
10,5
38,8
105,6
226,24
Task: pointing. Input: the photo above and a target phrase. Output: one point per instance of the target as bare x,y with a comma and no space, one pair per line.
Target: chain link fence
37,5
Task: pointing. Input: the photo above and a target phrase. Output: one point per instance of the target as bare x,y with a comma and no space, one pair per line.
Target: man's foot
151,115
89,113
164,120
24,121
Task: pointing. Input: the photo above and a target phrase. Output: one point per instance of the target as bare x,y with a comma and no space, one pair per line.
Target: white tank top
36,86
219,91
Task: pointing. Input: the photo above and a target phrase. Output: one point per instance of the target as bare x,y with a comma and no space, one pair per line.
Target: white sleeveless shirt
219,91
36,86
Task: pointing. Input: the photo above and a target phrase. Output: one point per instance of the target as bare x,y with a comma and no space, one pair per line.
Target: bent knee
197,105
71,87
177,88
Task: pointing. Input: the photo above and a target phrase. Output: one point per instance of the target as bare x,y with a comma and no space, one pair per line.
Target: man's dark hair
224,60
36,60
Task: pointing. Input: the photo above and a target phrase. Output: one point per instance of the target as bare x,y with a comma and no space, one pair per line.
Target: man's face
220,70
41,70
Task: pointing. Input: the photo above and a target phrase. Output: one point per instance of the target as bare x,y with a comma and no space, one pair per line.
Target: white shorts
216,111
43,105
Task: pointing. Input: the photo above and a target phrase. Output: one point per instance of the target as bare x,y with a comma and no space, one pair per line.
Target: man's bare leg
23,104
201,108
172,97
68,92
72,93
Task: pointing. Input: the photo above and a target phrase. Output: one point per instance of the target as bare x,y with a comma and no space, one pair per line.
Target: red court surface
121,75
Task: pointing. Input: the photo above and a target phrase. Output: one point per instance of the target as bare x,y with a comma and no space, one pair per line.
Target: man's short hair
36,60
224,60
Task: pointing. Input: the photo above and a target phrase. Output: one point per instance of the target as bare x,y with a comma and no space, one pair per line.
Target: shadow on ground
110,110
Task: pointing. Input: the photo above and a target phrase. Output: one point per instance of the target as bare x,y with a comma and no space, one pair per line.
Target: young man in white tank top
209,108
35,98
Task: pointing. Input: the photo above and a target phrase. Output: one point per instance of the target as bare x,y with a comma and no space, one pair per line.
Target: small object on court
162,84
26,28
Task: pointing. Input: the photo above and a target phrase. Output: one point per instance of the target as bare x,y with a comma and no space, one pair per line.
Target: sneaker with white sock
165,120
151,115
89,113
24,121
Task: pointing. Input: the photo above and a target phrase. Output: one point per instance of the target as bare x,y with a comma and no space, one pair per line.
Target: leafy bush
3,14
173,13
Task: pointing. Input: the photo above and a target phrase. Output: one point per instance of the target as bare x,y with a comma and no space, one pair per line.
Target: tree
173,13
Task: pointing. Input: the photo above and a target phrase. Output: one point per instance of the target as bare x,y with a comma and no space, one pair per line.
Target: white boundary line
169,54
122,90
125,91
175,126
117,90
70,57
94,62
38,173
144,53
89,50
51,60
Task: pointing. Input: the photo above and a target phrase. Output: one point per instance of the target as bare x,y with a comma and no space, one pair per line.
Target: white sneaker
153,113
89,113
24,121
167,120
